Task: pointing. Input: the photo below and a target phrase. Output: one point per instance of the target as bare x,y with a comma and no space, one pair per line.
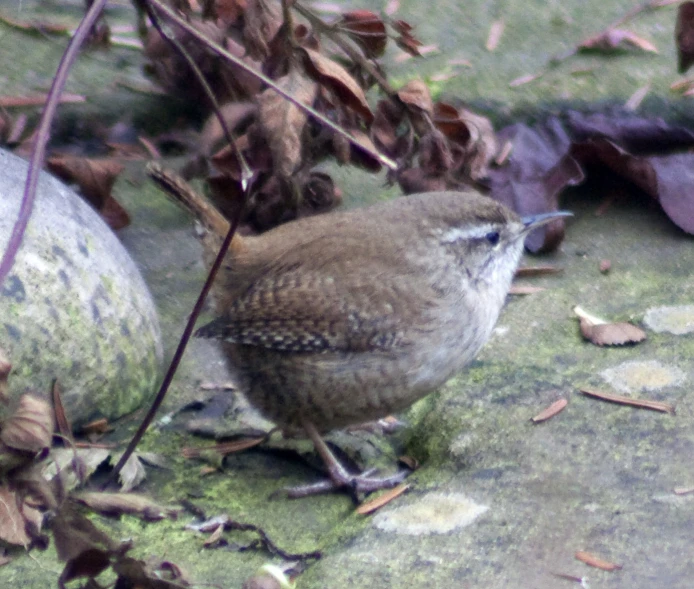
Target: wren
350,316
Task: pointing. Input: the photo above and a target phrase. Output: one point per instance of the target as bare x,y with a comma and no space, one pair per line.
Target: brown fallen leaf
524,289
602,333
525,271
30,427
550,411
35,26
374,504
596,561
621,400
612,39
637,97
367,29
224,448
12,521
494,36
95,179
522,80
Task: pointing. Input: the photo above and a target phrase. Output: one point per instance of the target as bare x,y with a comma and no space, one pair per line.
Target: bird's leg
339,476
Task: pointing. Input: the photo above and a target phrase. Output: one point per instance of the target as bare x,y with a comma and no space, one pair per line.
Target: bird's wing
309,311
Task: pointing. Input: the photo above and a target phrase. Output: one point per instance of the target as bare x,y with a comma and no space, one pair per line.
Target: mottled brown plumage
351,316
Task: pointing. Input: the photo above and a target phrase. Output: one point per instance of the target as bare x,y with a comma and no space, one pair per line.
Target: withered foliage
436,145
38,501
330,67
95,179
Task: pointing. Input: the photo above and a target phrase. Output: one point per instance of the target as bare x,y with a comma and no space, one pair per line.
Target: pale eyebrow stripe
457,233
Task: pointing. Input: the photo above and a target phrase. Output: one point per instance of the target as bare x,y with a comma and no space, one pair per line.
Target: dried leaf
550,411
30,427
74,533
596,561
39,100
602,333
372,505
75,464
525,271
416,93
224,448
95,179
12,522
524,289
262,20
229,11
612,39
435,157
640,403
35,26
331,74
684,36
114,214
683,490
387,131
98,426
494,36
89,563
367,29
632,133
526,79
472,134
637,97
675,183
132,473
406,41
125,503
283,122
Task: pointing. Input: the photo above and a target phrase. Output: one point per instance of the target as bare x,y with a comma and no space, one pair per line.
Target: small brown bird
354,315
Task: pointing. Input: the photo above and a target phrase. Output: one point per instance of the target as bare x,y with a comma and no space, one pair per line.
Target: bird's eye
492,237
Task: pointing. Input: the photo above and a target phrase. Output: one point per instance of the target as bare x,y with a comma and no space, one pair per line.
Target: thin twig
43,134
246,172
192,318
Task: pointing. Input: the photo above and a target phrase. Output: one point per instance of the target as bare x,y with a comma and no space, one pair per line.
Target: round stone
74,306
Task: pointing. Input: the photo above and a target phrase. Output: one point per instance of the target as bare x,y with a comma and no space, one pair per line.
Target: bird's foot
354,484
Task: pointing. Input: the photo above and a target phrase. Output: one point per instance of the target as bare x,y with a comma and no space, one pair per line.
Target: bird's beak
534,221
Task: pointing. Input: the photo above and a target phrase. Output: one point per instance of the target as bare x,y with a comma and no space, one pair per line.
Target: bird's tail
177,189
